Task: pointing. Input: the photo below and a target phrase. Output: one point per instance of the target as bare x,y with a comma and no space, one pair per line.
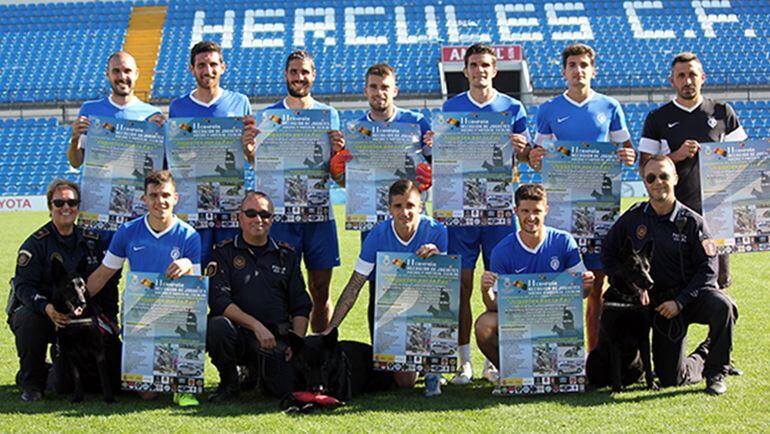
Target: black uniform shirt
33,280
668,126
683,260
265,283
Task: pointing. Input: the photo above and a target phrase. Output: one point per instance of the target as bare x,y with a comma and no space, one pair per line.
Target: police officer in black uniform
30,312
684,269
257,296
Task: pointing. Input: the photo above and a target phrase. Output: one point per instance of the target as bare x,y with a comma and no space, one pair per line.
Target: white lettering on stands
275,18
351,38
319,28
200,28
453,28
636,24
402,29
707,20
504,23
585,32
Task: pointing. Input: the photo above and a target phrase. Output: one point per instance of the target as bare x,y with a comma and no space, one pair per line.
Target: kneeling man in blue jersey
210,100
581,113
535,248
159,242
316,243
408,230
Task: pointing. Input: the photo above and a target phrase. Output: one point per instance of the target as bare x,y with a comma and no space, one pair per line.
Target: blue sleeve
520,121
424,123
497,262
543,123
192,249
618,122
369,247
247,106
442,239
172,108
335,119
571,252
119,242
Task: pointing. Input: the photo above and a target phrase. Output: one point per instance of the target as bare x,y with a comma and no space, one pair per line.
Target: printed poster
472,169
383,153
205,155
119,155
164,333
735,187
417,311
541,333
291,163
582,180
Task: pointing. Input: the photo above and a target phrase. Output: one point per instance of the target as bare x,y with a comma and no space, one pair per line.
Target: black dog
623,352
338,369
89,344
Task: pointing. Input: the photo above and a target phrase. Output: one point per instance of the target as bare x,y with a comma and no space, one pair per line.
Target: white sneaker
491,374
464,374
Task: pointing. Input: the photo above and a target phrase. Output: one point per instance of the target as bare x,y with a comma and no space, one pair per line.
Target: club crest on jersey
712,122
554,263
601,118
176,252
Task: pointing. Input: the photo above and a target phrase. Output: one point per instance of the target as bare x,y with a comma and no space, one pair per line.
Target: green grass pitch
472,408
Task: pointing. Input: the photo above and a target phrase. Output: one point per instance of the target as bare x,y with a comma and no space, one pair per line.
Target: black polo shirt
264,282
684,254
666,127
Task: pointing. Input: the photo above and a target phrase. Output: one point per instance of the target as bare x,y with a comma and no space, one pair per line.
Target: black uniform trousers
33,332
231,345
713,308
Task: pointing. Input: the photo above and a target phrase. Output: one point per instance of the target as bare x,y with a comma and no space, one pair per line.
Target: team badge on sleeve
211,269
710,247
24,257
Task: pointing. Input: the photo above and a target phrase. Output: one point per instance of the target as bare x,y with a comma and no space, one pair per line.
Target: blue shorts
210,237
315,243
592,261
468,241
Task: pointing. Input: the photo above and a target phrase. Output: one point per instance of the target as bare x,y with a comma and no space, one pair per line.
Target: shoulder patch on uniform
87,233
239,262
211,269
224,243
709,246
285,245
41,233
24,257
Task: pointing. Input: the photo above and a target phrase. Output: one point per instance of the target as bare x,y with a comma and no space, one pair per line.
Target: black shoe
732,370
225,392
716,385
30,395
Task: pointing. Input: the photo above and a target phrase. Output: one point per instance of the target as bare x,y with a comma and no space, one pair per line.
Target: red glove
424,176
337,165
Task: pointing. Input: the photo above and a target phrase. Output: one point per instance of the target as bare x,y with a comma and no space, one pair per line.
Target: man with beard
209,100
315,242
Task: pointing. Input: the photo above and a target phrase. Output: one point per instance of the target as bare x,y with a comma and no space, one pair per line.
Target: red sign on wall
505,53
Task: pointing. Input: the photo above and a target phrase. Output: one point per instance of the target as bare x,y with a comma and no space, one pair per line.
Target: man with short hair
157,243
209,99
250,318
32,317
581,113
315,242
530,250
684,269
468,241
679,127
409,231
122,103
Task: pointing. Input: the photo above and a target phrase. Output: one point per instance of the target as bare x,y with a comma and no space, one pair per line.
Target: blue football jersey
136,111
152,252
335,116
500,103
383,238
228,104
408,117
558,252
597,119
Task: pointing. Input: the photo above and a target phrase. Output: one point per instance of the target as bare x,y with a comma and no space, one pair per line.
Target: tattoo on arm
348,297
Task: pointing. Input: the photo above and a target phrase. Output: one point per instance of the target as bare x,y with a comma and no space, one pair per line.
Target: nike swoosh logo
138,248
519,270
560,120
672,125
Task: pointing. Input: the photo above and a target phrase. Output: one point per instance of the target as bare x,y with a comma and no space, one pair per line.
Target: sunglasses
58,203
251,213
651,177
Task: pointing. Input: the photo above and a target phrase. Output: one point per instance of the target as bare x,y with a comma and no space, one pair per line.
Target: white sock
464,353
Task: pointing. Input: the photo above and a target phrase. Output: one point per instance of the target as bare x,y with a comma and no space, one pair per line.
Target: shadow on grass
476,396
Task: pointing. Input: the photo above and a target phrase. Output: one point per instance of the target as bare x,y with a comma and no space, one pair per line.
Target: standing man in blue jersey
535,248
580,113
468,241
210,100
316,242
122,74
157,243
408,230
